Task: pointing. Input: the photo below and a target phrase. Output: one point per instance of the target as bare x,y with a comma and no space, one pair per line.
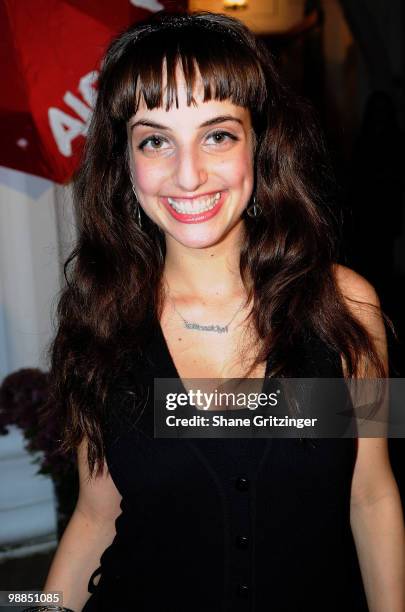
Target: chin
205,235
199,243
198,240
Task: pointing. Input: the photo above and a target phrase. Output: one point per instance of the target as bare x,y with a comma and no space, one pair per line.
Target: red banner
50,52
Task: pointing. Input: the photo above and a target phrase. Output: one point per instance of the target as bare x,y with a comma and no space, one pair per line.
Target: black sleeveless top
229,525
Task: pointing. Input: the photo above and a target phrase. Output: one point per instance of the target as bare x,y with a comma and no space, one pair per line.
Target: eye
221,136
155,140
154,143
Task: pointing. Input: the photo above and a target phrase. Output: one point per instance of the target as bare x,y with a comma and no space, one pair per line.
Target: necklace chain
218,329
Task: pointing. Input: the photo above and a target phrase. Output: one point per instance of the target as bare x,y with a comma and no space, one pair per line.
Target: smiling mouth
194,206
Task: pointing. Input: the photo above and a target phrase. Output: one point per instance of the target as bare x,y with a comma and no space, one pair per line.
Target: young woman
207,250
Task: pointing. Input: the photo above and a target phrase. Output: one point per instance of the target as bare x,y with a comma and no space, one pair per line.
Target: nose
191,170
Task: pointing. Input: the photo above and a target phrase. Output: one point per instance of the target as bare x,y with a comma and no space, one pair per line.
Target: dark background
357,86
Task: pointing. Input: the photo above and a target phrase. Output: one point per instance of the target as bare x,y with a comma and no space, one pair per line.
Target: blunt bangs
228,67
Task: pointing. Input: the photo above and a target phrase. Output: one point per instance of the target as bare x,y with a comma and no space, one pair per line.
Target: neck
204,274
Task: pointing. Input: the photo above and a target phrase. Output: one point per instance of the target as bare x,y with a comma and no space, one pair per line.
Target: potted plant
23,395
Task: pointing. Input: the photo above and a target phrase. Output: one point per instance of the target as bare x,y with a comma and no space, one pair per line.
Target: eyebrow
213,121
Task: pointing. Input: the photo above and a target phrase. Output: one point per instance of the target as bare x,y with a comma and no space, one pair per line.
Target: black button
242,483
243,590
242,542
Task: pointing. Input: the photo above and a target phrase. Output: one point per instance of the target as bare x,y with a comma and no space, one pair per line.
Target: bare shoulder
364,304
355,287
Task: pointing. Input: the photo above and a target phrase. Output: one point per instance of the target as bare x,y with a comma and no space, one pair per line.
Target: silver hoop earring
137,209
254,210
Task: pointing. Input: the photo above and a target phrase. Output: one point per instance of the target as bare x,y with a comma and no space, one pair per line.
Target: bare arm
375,511
378,527
89,532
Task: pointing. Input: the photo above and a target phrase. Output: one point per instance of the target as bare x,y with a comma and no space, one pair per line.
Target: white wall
36,229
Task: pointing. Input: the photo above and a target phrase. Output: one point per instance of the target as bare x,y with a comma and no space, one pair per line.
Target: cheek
148,177
237,170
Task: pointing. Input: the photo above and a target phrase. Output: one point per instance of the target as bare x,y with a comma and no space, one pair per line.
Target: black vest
229,525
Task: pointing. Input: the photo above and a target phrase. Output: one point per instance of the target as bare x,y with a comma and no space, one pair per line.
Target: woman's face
192,166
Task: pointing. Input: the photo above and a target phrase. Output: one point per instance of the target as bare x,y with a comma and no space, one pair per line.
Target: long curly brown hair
114,289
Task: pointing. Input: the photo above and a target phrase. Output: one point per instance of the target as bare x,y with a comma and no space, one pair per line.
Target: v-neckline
172,366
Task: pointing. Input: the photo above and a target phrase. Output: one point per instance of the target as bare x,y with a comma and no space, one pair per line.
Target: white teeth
196,206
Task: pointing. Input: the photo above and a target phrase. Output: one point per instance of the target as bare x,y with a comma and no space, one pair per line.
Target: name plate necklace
218,329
